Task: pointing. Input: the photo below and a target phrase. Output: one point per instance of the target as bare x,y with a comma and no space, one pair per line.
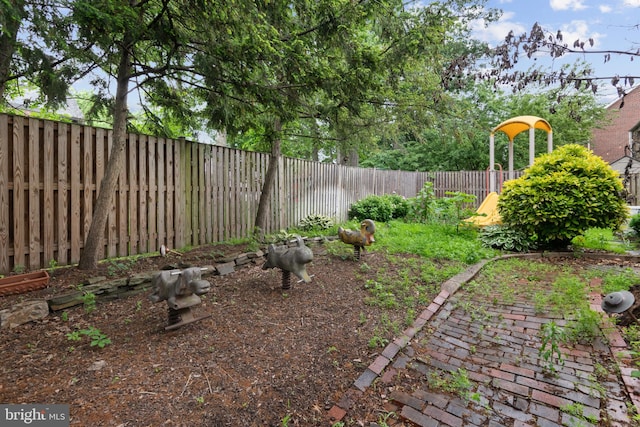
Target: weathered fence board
4,194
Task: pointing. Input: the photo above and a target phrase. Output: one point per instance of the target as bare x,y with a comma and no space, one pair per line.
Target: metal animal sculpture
290,260
359,238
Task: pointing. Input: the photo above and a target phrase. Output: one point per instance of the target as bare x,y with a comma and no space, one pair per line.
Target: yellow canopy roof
515,125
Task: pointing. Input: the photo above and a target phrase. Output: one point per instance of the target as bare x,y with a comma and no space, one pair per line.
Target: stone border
617,344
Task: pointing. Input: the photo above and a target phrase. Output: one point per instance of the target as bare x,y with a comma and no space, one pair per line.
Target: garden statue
618,303
359,239
181,290
290,260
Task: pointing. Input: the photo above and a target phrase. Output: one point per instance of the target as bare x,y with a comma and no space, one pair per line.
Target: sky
613,25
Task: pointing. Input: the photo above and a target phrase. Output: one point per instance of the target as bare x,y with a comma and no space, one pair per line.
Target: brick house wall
610,141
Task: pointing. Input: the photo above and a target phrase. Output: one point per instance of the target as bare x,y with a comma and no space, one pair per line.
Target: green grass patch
432,241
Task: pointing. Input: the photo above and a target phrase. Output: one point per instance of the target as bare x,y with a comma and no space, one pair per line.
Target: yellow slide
487,213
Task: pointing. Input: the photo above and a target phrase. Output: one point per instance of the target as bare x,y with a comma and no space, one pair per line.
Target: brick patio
501,351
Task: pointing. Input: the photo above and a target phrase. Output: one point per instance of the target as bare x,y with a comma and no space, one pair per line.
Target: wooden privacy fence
176,193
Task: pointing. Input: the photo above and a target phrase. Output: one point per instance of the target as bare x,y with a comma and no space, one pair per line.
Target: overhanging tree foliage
506,57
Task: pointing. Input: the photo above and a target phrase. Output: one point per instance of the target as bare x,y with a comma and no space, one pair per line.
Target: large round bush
562,194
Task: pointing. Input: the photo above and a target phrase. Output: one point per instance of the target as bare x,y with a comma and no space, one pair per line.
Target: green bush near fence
379,208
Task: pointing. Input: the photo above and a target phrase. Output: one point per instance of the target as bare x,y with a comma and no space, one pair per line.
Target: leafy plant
372,207
634,223
631,334
577,410
97,338
453,208
457,382
585,328
562,194
507,238
551,335
316,222
282,236
619,281
422,206
89,302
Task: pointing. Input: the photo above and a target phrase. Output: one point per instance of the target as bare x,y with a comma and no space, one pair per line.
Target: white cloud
605,8
631,3
497,31
569,4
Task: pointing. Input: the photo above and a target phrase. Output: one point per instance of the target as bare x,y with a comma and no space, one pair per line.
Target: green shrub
422,206
506,238
562,194
453,208
379,208
634,224
400,206
316,222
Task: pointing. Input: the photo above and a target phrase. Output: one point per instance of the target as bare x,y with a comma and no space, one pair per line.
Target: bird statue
358,238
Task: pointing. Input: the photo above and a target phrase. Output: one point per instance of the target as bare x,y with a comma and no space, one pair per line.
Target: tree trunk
95,237
269,181
8,38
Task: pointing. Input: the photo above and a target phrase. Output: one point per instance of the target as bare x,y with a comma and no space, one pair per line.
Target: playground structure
511,128
358,238
487,213
181,290
290,260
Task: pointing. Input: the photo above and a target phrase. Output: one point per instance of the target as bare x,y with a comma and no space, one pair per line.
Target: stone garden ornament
290,260
181,289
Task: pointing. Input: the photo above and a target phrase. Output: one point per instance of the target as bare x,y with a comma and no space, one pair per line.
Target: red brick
512,387
379,364
417,417
407,400
336,414
497,373
427,313
513,316
549,399
517,370
443,416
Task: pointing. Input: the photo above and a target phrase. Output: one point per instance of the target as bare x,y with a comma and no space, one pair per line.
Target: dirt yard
265,356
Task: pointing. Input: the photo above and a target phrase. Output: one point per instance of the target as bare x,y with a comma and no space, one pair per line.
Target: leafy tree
459,138
140,42
352,68
561,195
33,47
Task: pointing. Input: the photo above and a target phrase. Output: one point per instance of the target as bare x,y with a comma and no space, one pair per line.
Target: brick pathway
497,346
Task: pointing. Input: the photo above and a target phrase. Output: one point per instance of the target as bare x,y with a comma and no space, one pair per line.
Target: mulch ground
264,357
